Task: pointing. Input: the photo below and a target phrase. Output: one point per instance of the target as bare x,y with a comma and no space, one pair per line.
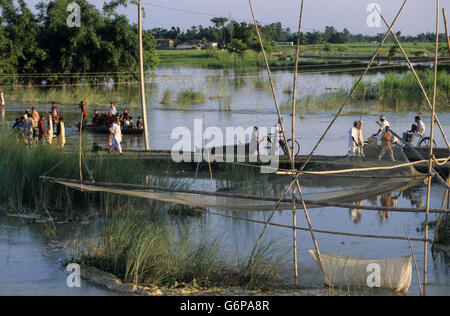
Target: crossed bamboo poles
291,152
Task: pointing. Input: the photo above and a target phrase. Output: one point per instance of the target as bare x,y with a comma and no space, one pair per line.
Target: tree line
223,31
105,45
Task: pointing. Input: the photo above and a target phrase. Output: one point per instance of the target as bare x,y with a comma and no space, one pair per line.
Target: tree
238,48
219,23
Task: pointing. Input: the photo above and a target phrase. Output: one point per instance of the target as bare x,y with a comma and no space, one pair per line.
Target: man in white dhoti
49,130
116,136
353,140
254,143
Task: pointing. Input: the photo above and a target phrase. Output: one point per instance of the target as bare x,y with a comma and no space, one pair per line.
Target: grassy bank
23,192
158,254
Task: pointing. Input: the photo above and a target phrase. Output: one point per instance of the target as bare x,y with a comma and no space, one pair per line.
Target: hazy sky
417,17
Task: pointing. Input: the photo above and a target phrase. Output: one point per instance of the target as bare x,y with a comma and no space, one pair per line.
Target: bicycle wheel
296,148
265,147
426,141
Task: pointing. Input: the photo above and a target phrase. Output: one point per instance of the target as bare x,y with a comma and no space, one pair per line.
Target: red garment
386,139
42,130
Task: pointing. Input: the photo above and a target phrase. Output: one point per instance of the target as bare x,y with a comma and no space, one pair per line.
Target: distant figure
2,99
96,118
386,144
84,114
35,117
19,126
140,123
29,130
50,129
360,150
54,111
116,137
278,138
42,130
62,133
112,109
383,122
353,140
126,115
254,143
417,129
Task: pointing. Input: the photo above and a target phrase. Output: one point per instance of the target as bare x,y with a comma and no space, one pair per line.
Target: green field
285,55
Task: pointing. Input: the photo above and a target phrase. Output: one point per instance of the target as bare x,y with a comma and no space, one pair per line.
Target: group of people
356,140
108,119
35,127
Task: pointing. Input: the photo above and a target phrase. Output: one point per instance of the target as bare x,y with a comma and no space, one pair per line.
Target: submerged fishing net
349,272
261,195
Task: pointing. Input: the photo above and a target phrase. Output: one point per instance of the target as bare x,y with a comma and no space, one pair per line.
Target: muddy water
30,254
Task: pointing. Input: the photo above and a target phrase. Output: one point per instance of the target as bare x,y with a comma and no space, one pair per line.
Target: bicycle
266,144
422,142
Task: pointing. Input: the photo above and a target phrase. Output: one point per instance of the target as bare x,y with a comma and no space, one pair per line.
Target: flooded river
30,255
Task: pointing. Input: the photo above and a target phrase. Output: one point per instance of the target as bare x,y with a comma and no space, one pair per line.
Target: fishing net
349,272
264,194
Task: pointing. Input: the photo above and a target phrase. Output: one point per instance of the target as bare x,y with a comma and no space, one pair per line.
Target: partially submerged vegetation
23,192
159,254
395,92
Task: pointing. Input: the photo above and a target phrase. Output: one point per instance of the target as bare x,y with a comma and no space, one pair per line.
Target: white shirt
353,133
117,133
384,125
253,147
420,128
112,110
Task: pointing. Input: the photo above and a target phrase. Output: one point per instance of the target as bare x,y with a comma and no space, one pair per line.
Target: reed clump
190,96
159,254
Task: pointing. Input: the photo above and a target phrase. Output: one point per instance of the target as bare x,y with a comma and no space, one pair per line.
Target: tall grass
190,96
402,92
127,94
156,254
22,190
167,95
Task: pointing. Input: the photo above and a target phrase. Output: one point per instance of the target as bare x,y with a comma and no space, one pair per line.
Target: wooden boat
348,272
104,130
425,152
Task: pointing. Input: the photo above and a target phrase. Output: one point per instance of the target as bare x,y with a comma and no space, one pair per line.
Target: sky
417,17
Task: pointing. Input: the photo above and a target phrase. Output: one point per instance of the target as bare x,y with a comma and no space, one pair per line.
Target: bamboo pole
207,150
354,88
446,30
274,94
142,79
294,91
351,93
308,220
430,163
294,237
414,258
79,145
294,94
417,78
